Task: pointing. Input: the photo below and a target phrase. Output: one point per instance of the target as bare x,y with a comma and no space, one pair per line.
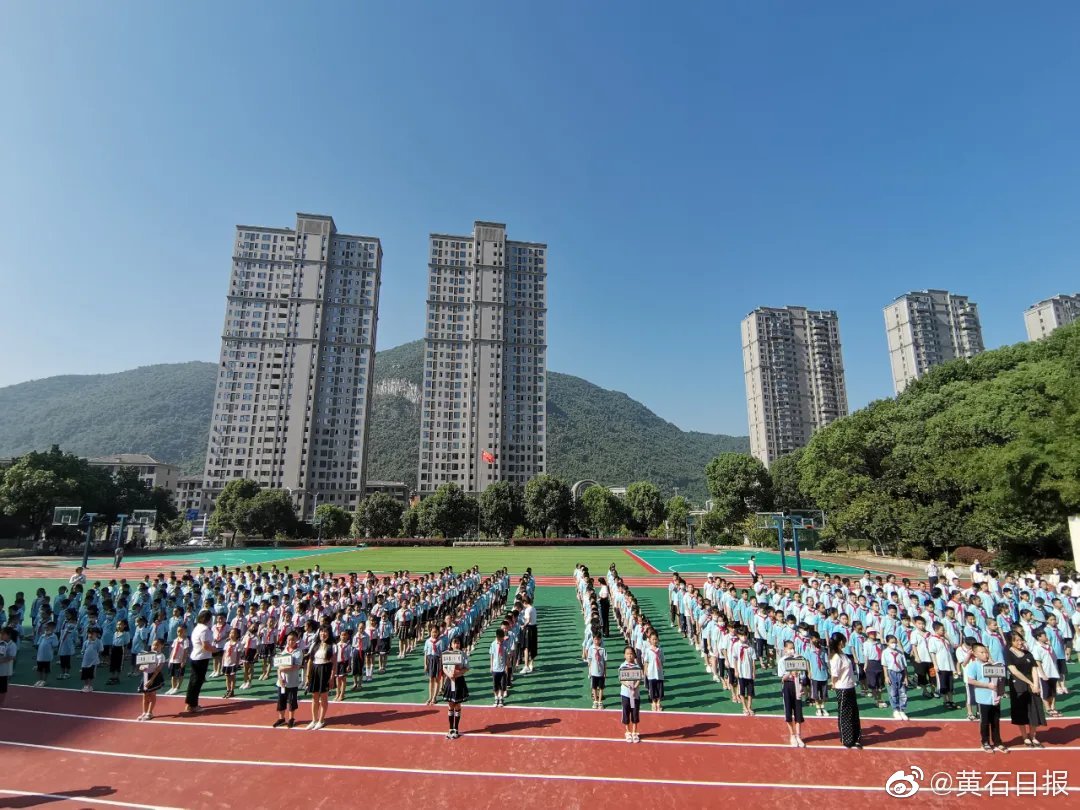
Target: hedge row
405,542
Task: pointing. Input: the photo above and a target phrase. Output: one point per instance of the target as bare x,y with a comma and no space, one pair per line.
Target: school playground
545,747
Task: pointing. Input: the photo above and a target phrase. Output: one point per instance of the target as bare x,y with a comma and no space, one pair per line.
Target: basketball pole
780,533
795,543
86,543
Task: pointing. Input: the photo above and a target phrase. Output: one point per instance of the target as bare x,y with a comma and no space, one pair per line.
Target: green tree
410,522
232,508
500,509
380,515
37,482
547,505
269,513
678,511
332,521
786,483
161,500
603,512
712,529
644,507
448,512
127,493
739,485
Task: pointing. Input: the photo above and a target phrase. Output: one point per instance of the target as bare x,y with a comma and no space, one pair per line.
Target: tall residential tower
927,328
1044,317
297,354
794,377
484,410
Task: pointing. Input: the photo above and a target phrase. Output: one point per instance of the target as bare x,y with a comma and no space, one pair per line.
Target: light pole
86,543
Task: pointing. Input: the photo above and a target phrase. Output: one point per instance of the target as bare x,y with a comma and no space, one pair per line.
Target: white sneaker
141,717
40,683
310,725
896,714
800,743
86,689
319,725
903,716
636,738
629,737
792,742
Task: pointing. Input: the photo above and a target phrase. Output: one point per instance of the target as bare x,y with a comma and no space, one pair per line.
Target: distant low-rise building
152,472
189,494
398,490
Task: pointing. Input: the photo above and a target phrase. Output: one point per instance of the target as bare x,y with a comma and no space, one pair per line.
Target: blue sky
685,162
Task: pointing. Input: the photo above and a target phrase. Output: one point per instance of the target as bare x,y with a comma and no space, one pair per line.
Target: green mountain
164,410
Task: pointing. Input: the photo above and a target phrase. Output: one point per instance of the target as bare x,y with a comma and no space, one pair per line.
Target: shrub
403,542
827,545
1048,564
593,541
910,550
966,555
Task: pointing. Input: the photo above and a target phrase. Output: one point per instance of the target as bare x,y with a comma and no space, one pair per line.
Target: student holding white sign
152,667
792,670
630,677
983,677
455,664
289,666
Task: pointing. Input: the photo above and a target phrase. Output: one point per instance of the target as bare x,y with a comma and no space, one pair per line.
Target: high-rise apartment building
297,355
1044,317
927,328
484,402
794,377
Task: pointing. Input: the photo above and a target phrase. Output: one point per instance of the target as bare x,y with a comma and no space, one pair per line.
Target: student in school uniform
875,672
597,656
230,661
628,697
343,657
818,657
179,649
8,650
69,634
141,640
743,668
456,690
320,672
432,667
964,653
153,678
941,654
1044,656
894,664
792,685
288,681
91,657
653,664
47,646
987,698
497,658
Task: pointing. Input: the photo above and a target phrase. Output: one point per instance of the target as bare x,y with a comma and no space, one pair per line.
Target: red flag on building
488,457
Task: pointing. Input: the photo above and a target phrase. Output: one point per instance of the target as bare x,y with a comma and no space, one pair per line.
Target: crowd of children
896,636
319,631
254,612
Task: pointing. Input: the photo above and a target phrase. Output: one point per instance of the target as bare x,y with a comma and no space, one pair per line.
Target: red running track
64,743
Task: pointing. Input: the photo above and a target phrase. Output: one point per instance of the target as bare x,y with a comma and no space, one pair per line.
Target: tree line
981,453
35,483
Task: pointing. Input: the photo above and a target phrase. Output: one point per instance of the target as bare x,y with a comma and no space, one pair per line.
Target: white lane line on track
490,735
543,777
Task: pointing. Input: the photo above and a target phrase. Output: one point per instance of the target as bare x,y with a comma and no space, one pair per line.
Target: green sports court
734,562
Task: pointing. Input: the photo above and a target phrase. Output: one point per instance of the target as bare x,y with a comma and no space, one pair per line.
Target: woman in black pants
202,652
842,674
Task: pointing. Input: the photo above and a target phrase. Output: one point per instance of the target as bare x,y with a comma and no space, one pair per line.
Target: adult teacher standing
202,650
843,681
1025,703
